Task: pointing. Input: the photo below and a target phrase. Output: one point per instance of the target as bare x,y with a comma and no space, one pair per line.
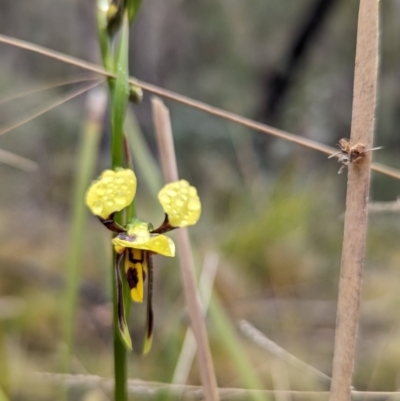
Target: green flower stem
119,95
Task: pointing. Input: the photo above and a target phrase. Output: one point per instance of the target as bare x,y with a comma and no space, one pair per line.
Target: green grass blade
142,158
132,6
88,149
233,345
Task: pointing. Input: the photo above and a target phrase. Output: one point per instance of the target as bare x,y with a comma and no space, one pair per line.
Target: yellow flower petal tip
139,237
112,192
181,203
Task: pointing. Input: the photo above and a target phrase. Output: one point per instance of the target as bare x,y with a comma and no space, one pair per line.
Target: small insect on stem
350,154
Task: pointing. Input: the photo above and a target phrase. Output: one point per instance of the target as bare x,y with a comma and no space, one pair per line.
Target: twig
155,390
188,351
355,224
167,154
308,143
264,342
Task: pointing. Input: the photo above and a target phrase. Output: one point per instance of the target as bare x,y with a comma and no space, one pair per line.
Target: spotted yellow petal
112,192
181,203
139,237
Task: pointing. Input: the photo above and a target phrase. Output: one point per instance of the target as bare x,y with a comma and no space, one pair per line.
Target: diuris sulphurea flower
138,240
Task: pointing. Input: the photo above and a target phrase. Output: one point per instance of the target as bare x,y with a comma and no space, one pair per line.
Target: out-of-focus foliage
273,212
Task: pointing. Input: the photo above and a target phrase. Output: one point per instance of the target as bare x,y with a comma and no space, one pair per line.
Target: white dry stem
189,347
168,161
264,342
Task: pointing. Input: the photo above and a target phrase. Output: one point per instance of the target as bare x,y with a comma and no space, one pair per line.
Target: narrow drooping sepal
111,193
122,325
180,203
148,340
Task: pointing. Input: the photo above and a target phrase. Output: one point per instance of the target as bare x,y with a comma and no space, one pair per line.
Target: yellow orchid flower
138,241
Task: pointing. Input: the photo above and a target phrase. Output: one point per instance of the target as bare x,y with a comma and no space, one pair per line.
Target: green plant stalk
119,96
86,161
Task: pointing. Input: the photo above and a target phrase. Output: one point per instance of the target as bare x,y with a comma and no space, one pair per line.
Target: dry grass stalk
264,342
44,109
266,129
18,161
168,161
189,346
156,390
355,225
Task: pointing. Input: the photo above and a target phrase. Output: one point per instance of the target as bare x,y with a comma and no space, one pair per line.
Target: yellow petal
181,203
139,237
112,192
135,267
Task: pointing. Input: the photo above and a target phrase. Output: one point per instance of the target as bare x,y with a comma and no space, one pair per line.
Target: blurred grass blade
143,160
96,106
18,161
51,84
3,396
233,345
47,107
132,7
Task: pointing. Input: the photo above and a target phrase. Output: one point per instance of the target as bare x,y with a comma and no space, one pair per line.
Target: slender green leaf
132,6
87,157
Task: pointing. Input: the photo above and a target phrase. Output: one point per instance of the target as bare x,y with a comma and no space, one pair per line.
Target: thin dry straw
155,390
54,83
44,109
168,161
356,215
17,161
188,351
264,342
380,168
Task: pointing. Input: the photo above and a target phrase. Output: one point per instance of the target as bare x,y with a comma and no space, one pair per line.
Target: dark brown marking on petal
132,277
133,260
127,237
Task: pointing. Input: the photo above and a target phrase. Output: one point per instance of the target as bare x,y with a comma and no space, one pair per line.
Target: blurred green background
272,211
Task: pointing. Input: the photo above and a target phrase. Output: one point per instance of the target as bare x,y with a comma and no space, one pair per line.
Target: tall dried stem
170,170
355,225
